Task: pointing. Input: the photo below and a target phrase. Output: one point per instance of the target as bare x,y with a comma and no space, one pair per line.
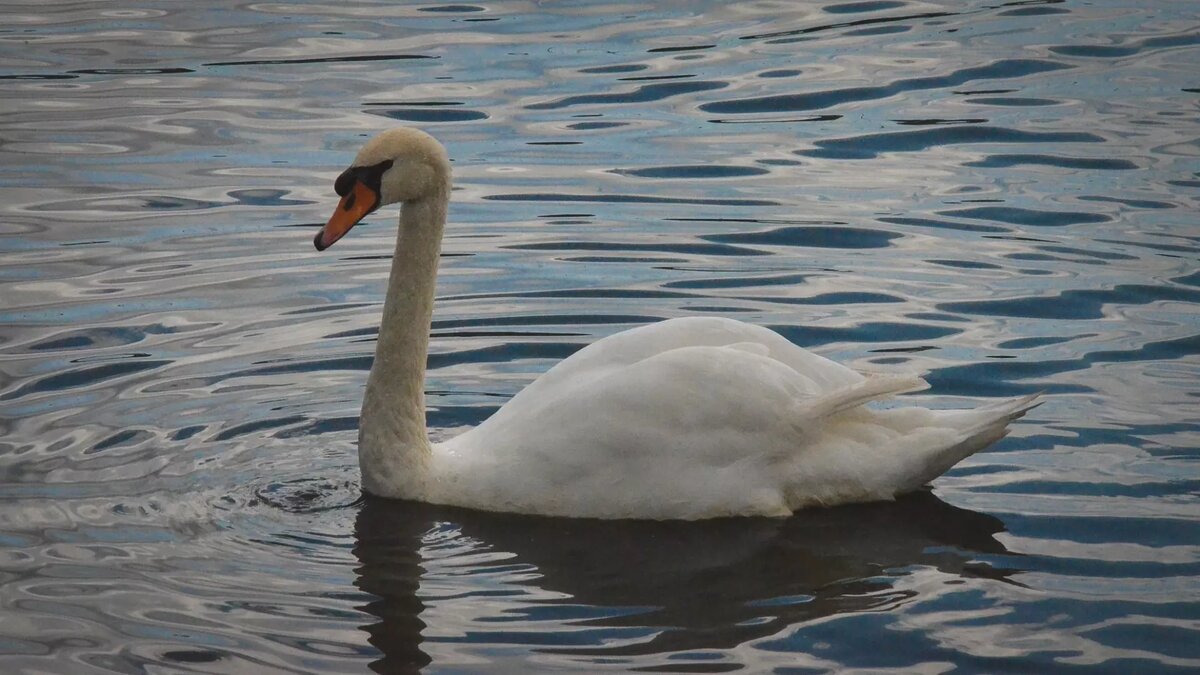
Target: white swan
686,418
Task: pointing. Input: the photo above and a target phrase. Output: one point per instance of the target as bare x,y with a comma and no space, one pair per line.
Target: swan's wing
636,345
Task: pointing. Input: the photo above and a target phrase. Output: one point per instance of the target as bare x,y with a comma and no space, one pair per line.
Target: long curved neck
393,446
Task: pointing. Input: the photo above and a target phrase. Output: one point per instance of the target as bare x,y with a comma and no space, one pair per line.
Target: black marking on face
370,176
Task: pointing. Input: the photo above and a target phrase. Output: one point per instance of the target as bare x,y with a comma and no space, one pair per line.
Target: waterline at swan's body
689,418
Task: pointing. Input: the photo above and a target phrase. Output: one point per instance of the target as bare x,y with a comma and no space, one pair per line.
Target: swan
687,418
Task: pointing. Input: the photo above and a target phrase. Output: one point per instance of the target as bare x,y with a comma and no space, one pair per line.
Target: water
1001,194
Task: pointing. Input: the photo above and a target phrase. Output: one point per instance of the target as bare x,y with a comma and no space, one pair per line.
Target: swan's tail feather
872,388
980,428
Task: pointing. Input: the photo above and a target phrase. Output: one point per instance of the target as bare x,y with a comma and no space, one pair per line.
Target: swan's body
686,418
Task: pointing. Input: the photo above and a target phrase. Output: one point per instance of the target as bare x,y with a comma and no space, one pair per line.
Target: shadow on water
710,584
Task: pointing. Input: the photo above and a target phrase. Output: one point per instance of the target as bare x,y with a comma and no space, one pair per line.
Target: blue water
1004,195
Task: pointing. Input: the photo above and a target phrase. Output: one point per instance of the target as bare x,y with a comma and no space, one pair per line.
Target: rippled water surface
1003,194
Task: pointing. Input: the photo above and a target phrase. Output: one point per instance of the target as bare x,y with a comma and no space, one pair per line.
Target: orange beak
355,206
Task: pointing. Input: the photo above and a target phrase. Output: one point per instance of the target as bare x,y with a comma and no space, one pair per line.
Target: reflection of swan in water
695,417
712,584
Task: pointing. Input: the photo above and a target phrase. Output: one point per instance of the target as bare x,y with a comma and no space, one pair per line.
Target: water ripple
997,70
1000,196
872,145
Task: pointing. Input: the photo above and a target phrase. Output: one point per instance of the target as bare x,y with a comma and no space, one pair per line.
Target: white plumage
687,418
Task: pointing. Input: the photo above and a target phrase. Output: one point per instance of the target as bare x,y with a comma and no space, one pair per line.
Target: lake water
1003,194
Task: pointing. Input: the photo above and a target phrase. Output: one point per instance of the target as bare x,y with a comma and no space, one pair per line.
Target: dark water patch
323,425
800,34
1003,69
544,320
1079,488
370,58
624,68
654,78
1027,217
127,437
1135,203
1119,51
1073,304
1192,279
1185,183
98,337
265,197
645,260
810,237
643,94
1101,255
965,264
900,350
778,120
187,432
870,332
739,282
430,114
36,77
359,363
858,7
782,72
1034,342
936,121
1008,161
942,224
869,146
719,309
845,298
640,294
507,334
693,171
452,9
193,656
625,199
1033,11
683,248
83,377
415,104
595,126
1014,101
132,71
509,351
255,426
157,203
1166,248
686,48
321,309
90,242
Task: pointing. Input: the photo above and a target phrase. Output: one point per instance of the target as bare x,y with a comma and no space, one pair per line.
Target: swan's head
398,165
